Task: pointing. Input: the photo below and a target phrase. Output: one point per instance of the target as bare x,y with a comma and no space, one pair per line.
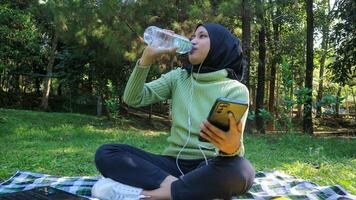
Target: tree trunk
246,38
324,45
99,105
47,81
14,86
4,81
277,92
291,94
214,6
38,86
20,94
320,88
299,114
70,101
246,48
347,110
274,63
261,69
299,83
354,99
1,80
337,104
307,118
59,89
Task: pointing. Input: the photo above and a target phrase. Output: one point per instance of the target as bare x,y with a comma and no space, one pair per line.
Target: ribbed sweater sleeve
138,93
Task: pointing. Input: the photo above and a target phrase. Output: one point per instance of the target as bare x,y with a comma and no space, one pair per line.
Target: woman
187,168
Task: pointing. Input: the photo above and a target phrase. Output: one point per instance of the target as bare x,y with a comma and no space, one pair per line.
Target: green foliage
200,10
287,76
329,102
266,115
302,95
292,96
251,115
287,85
2,67
20,40
96,44
112,103
344,39
97,49
284,122
99,45
229,8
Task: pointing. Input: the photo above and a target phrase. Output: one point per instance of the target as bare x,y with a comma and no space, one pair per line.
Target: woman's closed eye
201,36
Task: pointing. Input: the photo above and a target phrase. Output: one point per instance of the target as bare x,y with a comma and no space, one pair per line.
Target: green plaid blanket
267,185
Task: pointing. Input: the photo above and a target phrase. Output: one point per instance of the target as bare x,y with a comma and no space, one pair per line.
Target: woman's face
201,46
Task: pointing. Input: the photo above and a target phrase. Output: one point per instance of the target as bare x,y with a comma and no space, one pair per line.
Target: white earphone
189,119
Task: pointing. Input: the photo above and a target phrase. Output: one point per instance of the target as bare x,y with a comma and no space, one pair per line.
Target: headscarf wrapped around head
225,52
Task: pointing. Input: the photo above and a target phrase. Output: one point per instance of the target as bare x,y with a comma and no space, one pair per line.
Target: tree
325,21
261,67
246,37
307,118
47,80
97,47
47,21
275,15
344,41
20,49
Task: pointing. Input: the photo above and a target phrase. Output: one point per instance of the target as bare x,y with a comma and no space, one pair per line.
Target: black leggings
223,177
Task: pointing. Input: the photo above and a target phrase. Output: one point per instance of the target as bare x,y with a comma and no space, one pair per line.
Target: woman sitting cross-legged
187,169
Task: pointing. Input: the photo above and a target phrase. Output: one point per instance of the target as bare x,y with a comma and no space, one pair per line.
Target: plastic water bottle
159,38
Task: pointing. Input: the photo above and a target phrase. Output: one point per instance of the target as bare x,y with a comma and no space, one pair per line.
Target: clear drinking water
159,38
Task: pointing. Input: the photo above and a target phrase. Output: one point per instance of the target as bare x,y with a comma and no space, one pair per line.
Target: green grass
64,144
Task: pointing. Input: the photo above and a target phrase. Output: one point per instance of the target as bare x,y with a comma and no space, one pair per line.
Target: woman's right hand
150,54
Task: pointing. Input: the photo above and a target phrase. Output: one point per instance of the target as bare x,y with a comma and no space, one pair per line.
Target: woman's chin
193,61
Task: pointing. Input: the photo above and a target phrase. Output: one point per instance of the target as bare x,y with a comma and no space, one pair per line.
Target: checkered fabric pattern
277,185
267,185
23,180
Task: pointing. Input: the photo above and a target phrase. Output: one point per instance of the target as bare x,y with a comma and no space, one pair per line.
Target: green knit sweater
197,100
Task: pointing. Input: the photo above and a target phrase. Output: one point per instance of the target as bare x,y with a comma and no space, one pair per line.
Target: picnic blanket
267,185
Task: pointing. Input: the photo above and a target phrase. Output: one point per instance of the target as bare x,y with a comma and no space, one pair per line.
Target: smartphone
219,113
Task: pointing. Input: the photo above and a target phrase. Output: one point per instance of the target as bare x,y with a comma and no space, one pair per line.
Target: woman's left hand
227,141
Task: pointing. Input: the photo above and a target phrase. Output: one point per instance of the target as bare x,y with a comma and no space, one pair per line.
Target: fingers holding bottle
162,42
151,54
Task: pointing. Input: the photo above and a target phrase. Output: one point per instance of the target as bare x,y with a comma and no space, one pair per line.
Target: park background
58,58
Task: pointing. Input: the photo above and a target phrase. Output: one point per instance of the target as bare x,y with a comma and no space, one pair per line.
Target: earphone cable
189,120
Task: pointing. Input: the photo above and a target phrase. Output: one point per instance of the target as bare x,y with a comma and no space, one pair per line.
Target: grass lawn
64,144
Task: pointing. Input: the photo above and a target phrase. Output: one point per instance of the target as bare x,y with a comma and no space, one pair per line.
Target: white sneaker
108,189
